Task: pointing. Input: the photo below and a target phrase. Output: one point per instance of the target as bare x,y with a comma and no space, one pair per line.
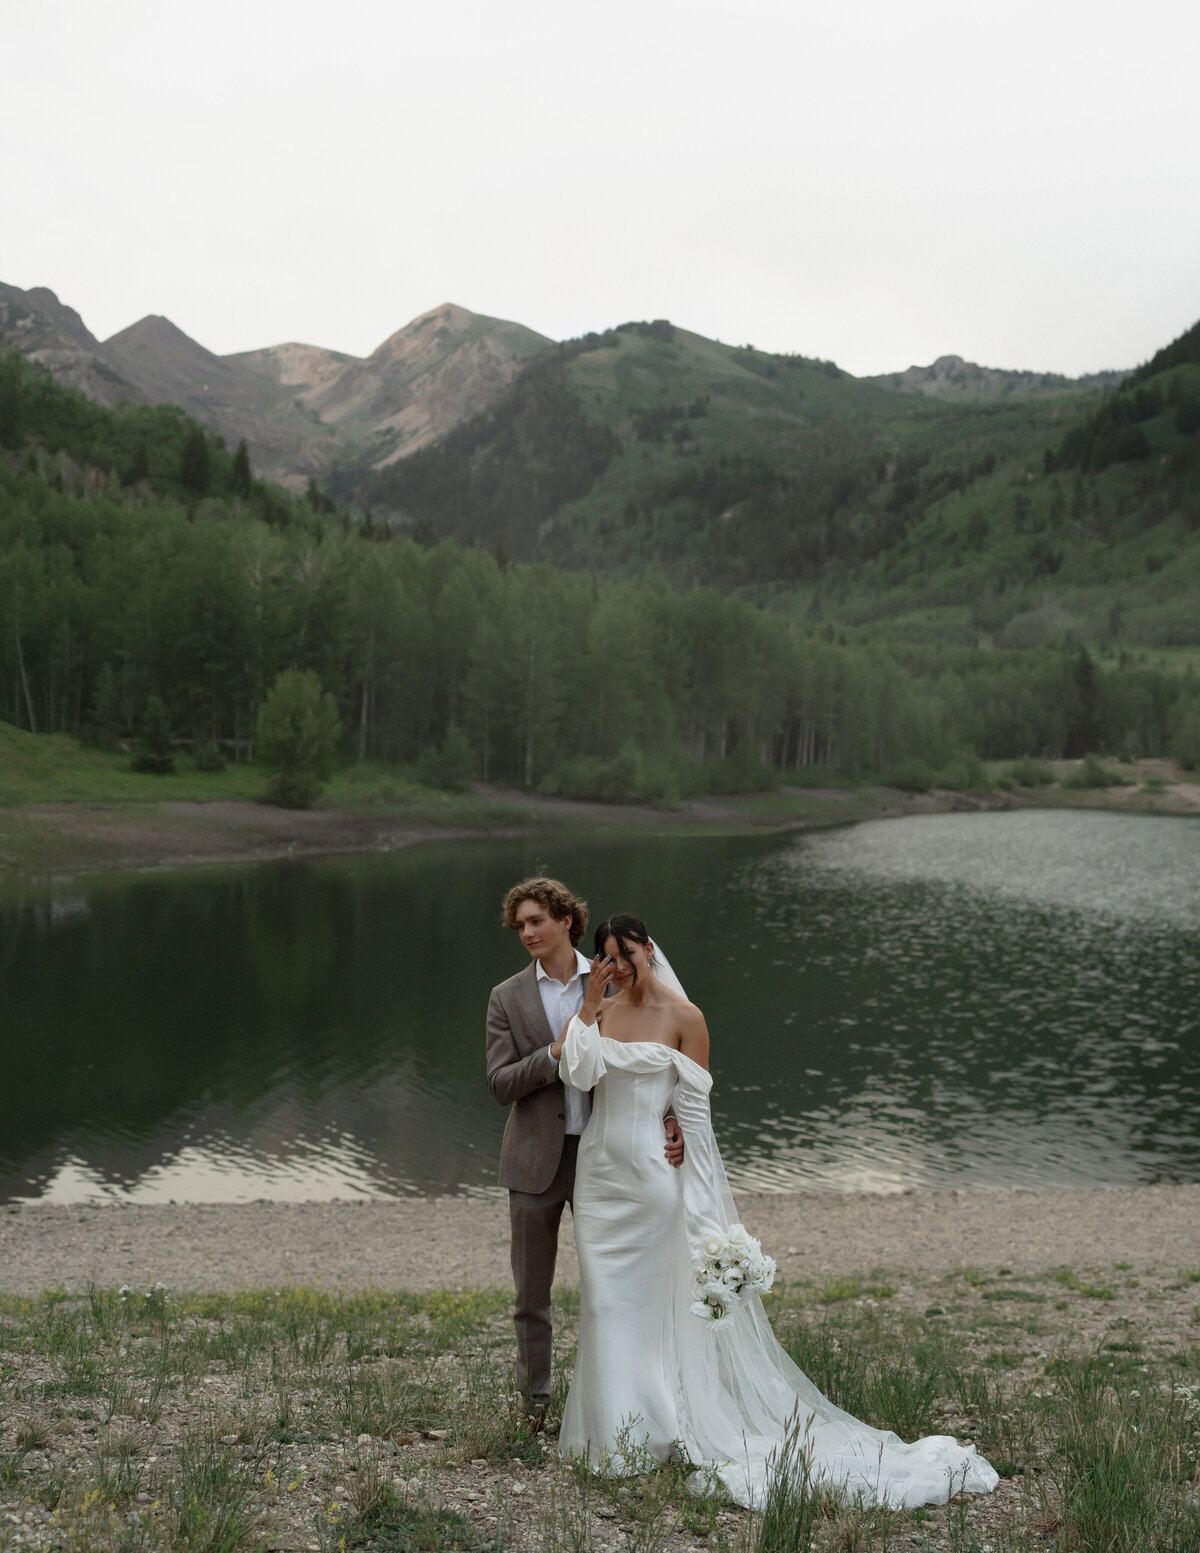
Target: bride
649,1374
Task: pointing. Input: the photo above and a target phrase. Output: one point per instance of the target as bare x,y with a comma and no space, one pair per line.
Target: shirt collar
582,967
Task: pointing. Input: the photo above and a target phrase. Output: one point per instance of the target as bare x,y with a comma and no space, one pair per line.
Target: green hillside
1088,531
1047,520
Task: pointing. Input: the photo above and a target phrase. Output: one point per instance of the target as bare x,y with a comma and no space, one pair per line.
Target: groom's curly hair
554,896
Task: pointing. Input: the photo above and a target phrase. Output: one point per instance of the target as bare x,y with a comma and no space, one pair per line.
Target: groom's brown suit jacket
522,1074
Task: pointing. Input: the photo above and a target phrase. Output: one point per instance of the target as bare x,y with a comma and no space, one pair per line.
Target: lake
998,999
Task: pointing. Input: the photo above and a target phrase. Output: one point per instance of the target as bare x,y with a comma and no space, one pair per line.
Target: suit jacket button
562,1116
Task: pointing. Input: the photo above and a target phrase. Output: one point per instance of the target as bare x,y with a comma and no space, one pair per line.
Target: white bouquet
726,1268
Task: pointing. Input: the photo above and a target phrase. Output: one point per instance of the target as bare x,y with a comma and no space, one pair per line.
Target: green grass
1071,1280
55,768
135,1421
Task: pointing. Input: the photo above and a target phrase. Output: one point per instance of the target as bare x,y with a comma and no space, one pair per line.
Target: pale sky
876,181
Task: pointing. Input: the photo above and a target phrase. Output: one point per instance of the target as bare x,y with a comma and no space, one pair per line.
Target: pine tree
12,427
104,720
1084,733
139,468
239,479
154,740
195,472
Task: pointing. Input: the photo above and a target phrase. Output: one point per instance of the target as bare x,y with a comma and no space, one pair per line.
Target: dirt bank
41,839
460,1242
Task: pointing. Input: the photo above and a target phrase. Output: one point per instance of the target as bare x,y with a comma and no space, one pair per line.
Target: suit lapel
530,1000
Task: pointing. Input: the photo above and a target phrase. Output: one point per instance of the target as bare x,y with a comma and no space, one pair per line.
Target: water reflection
987,999
1007,998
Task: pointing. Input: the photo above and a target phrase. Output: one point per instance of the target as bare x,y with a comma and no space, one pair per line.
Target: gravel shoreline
462,1242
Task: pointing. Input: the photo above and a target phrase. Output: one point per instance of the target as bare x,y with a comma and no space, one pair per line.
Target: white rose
712,1245
767,1277
716,1293
733,1277
740,1238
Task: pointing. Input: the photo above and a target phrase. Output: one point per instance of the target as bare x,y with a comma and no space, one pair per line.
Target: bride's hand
597,985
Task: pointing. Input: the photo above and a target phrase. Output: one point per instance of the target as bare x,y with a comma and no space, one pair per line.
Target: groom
537,1157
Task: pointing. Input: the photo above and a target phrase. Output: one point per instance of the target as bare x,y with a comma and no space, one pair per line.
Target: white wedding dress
650,1375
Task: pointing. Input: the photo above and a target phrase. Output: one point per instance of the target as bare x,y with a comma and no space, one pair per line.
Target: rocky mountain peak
154,332
296,365
952,377
53,336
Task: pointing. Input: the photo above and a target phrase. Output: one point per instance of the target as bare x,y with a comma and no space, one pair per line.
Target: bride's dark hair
626,929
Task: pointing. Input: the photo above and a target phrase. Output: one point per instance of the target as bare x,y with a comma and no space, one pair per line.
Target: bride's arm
693,1043
707,1201
693,1035
582,1063
597,984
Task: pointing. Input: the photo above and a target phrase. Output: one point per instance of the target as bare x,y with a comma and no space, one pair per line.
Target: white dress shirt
562,1001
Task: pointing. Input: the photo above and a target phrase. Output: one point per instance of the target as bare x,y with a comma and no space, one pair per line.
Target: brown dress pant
535,1217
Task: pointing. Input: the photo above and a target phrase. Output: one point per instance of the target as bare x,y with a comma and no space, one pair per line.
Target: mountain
154,362
947,499
300,368
1040,518
950,377
54,337
445,366
303,410
658,444
286,441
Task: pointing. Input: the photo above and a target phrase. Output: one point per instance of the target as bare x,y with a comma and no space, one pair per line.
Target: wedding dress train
649,1375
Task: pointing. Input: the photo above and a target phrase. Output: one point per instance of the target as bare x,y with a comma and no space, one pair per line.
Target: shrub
208,758
451,768
741,772
1028,772
298,732
1093,774
965,772
628,777
913,776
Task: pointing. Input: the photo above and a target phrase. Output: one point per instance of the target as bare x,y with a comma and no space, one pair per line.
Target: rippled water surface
991,999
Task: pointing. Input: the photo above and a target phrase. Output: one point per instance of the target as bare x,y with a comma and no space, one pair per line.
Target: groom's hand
673,1148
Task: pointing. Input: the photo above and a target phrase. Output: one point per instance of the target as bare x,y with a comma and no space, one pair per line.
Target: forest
139,558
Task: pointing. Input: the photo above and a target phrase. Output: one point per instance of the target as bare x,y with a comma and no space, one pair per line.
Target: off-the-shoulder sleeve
581,1063
707,1200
